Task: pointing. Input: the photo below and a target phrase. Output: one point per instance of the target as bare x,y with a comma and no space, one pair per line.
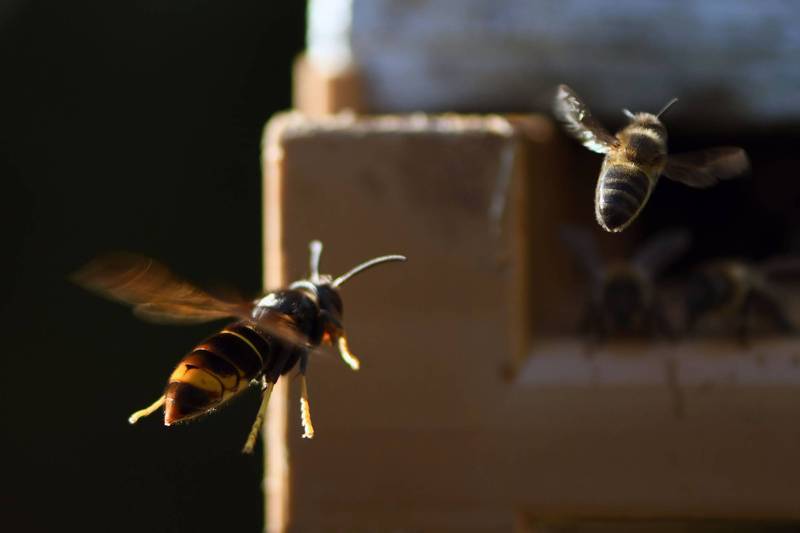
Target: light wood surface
434,433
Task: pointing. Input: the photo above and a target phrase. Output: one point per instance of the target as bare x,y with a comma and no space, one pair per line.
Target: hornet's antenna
316,251
338,282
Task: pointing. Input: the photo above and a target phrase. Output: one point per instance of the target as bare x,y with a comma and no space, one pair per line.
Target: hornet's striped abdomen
216,370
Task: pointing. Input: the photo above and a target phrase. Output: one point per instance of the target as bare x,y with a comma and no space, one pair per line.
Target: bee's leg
673,384
305,409
250,443
690,321
743,321
150,409
592,328
659,323
770,306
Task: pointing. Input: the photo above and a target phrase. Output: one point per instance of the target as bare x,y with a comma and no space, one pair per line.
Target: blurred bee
637,156
733,289
271,336
622,299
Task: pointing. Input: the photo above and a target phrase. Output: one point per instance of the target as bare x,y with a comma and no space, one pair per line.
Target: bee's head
649,119
326,288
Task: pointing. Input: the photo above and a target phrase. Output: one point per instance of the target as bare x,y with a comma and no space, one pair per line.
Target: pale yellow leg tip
347,356
141,413
305,419
252,437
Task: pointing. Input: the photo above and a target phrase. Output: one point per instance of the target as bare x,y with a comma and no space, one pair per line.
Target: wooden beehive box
459,419
477,408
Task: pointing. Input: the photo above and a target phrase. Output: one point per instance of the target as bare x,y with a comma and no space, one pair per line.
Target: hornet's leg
347,356
150,409
305,408
250,443
337,334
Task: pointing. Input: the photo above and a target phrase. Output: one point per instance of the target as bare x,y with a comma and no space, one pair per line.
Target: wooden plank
276,454
430,435
319,91
432,333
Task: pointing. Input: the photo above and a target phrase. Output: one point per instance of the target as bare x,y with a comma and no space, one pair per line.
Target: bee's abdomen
622,190
220,367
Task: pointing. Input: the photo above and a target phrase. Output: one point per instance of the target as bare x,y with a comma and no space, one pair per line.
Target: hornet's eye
329,300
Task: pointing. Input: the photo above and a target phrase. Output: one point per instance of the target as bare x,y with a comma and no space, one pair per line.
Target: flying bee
733,289
622,296
271,336
637,156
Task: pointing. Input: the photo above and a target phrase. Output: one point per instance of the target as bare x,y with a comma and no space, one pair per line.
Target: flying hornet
271,335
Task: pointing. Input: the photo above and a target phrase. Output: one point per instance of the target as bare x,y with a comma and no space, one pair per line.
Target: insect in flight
734,289
623,299
271,336
637,156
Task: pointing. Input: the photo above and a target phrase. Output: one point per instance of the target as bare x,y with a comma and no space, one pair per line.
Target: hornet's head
326,289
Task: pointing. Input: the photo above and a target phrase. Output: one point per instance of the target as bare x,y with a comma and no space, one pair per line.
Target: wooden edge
317,91
292,123
276,485
513,190
510,201
528,522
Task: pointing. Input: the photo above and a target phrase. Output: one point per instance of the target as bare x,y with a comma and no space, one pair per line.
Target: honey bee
636,157
623,300
732,289
271,336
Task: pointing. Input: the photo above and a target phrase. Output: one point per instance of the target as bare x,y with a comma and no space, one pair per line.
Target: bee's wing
580,123
783,267
705,168
659,251
584,248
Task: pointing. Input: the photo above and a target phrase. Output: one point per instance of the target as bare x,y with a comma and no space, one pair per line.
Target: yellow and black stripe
216,370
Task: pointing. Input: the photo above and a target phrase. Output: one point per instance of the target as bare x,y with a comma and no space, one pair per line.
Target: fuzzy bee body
636,157
623,300
272,336
628,175
733,289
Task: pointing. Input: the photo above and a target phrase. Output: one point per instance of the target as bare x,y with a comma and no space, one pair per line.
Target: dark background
136,126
